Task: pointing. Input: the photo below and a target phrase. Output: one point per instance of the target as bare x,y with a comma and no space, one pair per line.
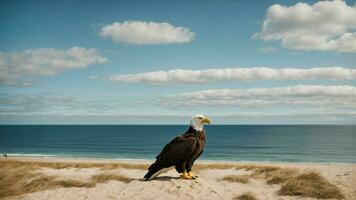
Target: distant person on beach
5,155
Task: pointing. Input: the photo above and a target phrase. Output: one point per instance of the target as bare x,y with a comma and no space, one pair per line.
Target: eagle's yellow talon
186,175
191,175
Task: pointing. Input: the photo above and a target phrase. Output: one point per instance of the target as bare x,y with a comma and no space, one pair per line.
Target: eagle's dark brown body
181,153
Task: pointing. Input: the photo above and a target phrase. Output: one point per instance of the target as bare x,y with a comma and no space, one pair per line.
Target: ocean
269,143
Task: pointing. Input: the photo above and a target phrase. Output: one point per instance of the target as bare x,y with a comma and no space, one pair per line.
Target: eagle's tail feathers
153,171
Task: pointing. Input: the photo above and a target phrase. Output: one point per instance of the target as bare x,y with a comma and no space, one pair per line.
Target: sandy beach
69,178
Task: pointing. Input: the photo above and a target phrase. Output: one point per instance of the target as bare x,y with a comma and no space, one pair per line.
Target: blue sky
58,66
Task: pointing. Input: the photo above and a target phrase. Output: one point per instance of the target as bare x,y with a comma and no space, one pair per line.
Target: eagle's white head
197,122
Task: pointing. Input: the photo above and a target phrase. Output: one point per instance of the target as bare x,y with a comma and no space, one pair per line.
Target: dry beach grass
293,183
246,196
310,185
17,178
236,178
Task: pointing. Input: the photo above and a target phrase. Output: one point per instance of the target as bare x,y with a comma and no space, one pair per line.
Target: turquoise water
282,143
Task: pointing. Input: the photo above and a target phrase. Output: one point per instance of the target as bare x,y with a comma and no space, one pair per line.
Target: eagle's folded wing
178,149
175,151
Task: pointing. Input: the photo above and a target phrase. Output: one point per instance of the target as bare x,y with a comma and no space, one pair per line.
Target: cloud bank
323,26
292,104
327,98
140,33
245,118
19,68
236,74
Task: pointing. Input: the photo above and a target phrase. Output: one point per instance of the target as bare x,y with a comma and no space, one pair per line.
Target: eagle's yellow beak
206,121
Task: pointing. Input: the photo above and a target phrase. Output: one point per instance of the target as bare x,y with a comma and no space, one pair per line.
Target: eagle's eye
200,118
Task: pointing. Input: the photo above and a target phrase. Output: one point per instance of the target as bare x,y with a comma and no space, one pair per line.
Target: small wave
32,155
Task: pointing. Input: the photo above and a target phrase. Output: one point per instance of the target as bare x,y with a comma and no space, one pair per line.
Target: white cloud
93,77
236,74
267,49
324,26
65,104
139,32
19,68
312,96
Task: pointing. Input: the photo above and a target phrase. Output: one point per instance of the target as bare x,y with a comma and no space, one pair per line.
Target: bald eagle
182,151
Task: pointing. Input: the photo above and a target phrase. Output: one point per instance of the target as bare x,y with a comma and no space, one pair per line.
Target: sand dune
123,181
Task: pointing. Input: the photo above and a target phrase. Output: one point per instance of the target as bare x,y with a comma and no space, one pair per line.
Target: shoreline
41,157
73,159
